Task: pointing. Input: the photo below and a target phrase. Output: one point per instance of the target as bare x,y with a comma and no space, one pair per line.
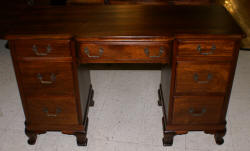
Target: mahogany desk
198,47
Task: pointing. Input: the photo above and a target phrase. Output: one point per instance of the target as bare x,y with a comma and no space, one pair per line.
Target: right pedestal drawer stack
201,82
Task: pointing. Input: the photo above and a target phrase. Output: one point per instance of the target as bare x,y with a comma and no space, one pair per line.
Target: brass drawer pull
161,51
48,50
58,110
193,113
206,53
52,77
86,50
209,78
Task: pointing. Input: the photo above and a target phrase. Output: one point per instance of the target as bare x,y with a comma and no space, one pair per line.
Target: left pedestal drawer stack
55,91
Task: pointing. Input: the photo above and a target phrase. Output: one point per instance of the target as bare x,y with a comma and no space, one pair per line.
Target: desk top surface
96,21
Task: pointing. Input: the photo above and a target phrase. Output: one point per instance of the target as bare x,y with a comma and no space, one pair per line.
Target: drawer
199,77
47,78
126,53
197,110
205,48
42,48
52,110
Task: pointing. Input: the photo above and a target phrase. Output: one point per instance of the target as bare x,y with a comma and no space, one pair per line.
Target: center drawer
124,52
47,78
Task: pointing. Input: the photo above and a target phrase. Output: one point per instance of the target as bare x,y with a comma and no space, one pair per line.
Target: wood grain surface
125,21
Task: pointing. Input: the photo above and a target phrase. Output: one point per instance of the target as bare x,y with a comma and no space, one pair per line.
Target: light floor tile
152,130
2,137
15,140
47,141
241,138
10,92
126,146
239,112
149,148
108,122
68,143
9,111
101,145
130,130
198,141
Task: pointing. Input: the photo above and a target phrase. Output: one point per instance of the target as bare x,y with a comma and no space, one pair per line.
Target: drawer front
42,48
205,48
197,110
47,78
198,77
130,53
52,110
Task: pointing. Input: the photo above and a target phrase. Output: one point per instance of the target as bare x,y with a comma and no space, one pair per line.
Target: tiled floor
125,116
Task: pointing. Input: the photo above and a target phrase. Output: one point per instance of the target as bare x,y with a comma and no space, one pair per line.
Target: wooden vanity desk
197,47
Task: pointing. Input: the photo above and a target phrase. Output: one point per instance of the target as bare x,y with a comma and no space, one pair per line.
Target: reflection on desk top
126,21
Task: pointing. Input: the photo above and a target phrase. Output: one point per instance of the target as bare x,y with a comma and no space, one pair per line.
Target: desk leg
218,136
7,45
32,137
168,138
159,96
81,137
168,135
92,102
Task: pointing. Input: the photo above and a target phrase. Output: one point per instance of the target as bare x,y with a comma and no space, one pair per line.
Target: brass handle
52,78
209,78
58,110
86,50
161,51
48,50
199,49
193,113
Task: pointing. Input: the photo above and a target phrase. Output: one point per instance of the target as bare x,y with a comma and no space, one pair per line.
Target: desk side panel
85,90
